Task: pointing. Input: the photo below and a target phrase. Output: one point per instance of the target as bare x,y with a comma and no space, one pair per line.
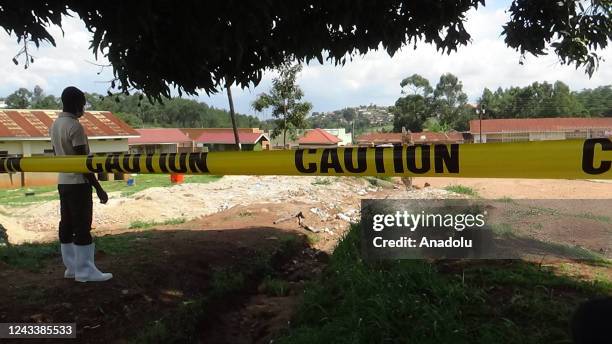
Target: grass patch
591,216
274,286
378,180
146,181
179,326
120,244
312,238
29,257
33,257
17,197
322,181
183,324
461,189
502,229
449,302
227,281
539,211
506,199
148,224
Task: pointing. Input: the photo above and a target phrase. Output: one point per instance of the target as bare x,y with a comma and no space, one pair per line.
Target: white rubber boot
86,270
69,258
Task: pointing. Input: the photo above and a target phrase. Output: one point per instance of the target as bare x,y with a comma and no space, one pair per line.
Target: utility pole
481,112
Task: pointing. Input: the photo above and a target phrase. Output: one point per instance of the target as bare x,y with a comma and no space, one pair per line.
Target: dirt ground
229,223
528,188
38,222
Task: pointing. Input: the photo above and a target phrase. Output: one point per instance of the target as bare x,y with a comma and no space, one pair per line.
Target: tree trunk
285,121
233,115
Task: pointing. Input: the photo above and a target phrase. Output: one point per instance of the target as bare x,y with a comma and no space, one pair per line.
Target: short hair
73,99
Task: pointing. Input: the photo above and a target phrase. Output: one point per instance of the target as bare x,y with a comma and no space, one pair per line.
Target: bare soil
528,188
228,223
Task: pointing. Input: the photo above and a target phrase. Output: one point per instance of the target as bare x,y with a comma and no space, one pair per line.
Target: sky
370,79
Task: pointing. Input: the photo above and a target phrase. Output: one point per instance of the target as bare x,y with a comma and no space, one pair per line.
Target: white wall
346,138
476,138
38,147
11,146
546,136
108,146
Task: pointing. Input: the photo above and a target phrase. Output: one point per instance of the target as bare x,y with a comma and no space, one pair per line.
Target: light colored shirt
67,133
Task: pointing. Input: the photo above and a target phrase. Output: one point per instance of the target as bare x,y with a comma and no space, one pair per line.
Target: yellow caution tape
570,159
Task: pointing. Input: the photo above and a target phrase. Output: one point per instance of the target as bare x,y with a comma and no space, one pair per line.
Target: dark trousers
76,206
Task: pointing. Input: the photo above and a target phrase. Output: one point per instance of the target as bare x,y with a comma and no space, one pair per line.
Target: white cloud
68,63
486,62
373,78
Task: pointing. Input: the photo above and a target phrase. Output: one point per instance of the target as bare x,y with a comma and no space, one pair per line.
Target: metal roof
159,135
521,125
318,136
422,137
194,133
227,137
35,124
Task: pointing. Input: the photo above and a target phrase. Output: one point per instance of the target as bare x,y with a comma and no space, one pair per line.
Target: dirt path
528,188
38,222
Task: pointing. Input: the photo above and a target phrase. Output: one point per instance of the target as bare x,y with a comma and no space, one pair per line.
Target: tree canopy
285,100
446,106
194,45
174,112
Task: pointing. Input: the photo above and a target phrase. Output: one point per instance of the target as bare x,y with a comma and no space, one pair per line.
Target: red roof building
194,133
35,124
26,132
221,140
160,140
159,135
432,137
318,138
426,137
537,129
376,139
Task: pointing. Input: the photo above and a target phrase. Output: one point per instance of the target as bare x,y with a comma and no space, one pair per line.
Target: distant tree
417,84
130,119
596,102
39,100
174,112
450,101
565,103
410,112
20,99
432,124
47,102
414,108
37,94
540,99
348,114
284,99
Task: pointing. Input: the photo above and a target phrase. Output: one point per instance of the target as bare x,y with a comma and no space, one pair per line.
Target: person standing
76,203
